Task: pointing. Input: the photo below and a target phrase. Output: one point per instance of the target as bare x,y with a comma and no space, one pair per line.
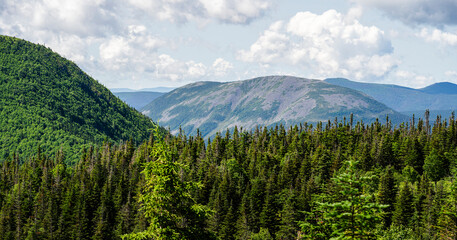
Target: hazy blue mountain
440,88
138,99
402,99
117,90
156,89
445,114
265,101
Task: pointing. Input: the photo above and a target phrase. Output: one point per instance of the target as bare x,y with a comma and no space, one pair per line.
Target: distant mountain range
440,88
48,102
138,99
156,89
264,101
440,97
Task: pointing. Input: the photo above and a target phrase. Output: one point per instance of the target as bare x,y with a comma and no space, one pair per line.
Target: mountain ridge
216,106
400,98
440,88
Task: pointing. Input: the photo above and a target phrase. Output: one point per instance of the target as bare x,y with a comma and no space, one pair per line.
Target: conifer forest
333,180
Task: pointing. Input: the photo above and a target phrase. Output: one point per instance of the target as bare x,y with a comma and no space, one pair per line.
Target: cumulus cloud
82,17
451,74
115,40
236,11
174,70
221,67
329,44
181,11
414,12
137,52
438,36
412,79
130,51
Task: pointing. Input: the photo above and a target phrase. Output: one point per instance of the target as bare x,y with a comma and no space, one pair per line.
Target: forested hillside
47,101
335,179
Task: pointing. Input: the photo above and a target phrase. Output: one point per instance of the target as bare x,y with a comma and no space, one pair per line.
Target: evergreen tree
404,207
386,195
167,204
353,212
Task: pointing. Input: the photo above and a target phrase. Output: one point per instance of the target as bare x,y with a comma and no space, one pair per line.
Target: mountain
156,89
47,101
265,101
400,98
137,99
117,90
440,88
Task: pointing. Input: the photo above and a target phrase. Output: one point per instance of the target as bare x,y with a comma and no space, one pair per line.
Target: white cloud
181,11
133,51
270,47
236,11
413,12
411,79
451,73
221,66
82,17
330,44
174,70
438,36
117,41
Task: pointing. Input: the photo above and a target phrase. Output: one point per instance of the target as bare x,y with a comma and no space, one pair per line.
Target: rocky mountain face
265,101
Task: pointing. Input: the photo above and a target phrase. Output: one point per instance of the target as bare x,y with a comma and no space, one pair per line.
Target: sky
150,43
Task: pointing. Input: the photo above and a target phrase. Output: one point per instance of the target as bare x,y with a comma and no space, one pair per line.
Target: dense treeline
48,101
334,180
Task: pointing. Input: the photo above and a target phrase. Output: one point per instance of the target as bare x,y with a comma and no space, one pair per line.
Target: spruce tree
167,202
404,207
351,212
386,195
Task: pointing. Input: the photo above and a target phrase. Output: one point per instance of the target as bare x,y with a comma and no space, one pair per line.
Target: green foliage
404,207
386,195
270,183
351,211
166,200
396,233
434,165
47,101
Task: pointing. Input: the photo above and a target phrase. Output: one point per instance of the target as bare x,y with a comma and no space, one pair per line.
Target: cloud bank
330,44
115,39
227,11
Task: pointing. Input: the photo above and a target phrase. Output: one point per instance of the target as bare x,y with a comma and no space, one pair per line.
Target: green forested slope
324,182
48,101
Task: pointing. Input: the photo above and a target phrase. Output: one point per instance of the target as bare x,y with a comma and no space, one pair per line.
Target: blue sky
139,44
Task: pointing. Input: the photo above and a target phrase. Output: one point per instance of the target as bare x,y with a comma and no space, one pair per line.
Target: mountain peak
440,88
266,101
